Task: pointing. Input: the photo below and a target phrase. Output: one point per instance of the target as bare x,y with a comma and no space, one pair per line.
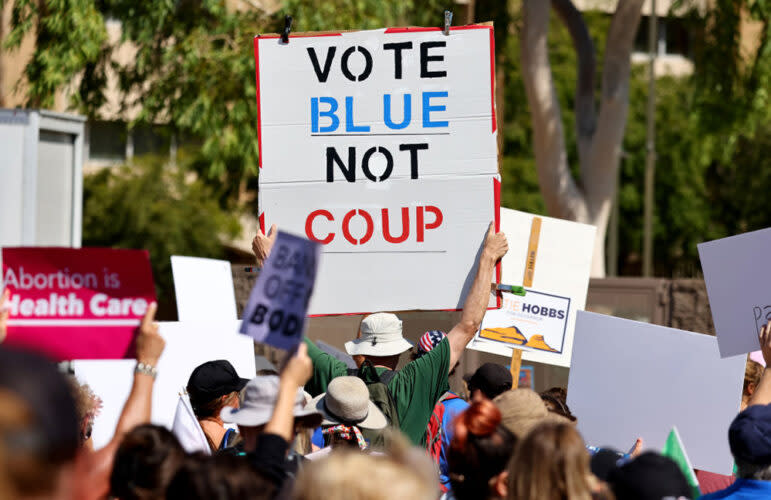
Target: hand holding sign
4,314
275,313
262,244
765,342
496,244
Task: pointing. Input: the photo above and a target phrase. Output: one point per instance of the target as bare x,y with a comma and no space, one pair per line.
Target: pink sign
76,303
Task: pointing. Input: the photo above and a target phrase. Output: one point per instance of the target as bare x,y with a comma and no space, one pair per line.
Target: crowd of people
315,428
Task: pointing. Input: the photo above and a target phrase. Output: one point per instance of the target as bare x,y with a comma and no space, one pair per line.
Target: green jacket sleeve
325,368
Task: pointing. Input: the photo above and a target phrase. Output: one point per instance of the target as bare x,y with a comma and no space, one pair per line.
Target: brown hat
523,409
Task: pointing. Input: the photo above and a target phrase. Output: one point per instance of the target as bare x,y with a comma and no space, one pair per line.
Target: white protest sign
630,379
187,346
203,288
542,322
381,146
276,311
739,288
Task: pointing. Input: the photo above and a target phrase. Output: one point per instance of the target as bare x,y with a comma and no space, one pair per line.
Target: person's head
260,396
750,440
212,386
480,449
88,406
347,409
555,400
219,477
381,341
403,472
146,460
752,373
488,381
550,462
650,476
523,409
39,432
263,366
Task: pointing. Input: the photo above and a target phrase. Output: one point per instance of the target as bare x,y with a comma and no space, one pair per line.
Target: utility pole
650,147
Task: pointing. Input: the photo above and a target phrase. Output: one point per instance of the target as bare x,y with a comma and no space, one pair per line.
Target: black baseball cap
750,435
491,379
650,476
213,379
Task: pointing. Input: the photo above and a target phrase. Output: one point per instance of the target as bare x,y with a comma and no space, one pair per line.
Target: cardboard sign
76,303
630,379
276,311
187,346
203,288
381,146
558,258
738,288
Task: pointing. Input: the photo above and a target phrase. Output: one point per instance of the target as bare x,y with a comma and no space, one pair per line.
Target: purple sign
275,313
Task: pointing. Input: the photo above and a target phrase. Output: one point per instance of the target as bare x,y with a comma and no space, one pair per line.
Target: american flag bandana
429,340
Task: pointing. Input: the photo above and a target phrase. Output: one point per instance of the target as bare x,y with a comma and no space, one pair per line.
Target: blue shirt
452,408
743,489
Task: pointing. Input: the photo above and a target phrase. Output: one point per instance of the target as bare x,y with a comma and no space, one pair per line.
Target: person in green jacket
418,386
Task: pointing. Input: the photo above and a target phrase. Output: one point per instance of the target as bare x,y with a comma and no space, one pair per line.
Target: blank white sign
630,379
738,288
187,346
203,288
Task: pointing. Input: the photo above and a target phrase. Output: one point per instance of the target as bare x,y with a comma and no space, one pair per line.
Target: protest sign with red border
76,303
381,146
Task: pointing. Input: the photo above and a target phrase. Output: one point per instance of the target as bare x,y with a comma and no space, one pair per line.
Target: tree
599,134
144,205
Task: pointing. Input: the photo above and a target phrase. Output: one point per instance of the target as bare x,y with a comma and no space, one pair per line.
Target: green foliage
162,210
325,15
69,36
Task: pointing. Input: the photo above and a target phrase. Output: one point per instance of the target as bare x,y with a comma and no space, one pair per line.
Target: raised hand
298,368
4,298
262,244
150,344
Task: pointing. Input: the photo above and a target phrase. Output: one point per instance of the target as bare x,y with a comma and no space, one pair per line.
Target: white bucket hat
381,335
260,396
347,402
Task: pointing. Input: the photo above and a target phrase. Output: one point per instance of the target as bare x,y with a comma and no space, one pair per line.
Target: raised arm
495,247
762,395
297,371
95,467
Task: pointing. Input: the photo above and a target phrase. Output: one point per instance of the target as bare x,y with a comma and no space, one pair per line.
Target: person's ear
500,484
751,388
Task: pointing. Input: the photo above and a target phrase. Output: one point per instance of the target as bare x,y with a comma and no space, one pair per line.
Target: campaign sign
537,321
556,255
275,313
381,146
76,303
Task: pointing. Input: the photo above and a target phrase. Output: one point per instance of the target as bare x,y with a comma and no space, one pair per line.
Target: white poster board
187,346
630,379
381,145
738,288
545,317
203,288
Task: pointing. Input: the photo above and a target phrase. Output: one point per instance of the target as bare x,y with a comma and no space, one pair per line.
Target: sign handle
527,281
516,365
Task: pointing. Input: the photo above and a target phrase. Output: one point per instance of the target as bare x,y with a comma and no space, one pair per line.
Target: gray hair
746,470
